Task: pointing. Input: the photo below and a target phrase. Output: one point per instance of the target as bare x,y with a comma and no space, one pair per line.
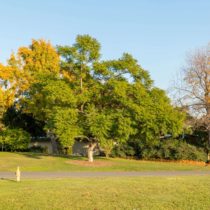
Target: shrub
14,139
173,150
168,149
37,149
122,150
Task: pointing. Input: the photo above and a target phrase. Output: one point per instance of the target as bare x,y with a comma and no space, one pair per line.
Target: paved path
52,175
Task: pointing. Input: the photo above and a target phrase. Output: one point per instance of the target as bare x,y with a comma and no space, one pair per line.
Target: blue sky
158,33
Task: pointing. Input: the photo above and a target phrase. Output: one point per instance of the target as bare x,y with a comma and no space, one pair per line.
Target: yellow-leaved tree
23,69
40,57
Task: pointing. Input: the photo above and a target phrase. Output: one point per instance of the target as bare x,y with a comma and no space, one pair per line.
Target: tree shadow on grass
31,155
8,180
68,157
72,157
41,155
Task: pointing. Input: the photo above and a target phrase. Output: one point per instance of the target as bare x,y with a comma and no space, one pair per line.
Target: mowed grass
39,162
139,193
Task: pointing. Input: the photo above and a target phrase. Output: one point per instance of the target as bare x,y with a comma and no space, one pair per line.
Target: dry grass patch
96,163
195,163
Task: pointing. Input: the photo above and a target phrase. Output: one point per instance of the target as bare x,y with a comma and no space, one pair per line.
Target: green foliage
176,149
198,138
97,124
173,150
52,100
46,95
64,124
104,101
14,118
158,117
37,149
107,147
123,151
112,101
166,149
77,62
86,49
14,139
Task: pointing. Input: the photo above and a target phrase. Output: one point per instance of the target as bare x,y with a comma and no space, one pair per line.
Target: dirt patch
96,163
191,162
187,162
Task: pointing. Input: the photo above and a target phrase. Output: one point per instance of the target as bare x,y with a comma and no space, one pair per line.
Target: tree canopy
193,89
76,94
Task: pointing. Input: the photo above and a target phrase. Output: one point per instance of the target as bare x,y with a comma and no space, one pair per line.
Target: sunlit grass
107,193
39,162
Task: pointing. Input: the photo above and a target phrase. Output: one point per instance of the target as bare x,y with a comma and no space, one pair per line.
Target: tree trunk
209,136
106,155
81,78
208,145
81,87
81,84
208,121
91,147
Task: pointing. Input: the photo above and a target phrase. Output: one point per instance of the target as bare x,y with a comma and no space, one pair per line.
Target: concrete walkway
53,175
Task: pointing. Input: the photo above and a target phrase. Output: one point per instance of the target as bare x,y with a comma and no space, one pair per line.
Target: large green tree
117,97
106,102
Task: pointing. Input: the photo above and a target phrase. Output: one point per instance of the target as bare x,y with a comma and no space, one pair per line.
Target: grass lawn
37,162
134,193
107,193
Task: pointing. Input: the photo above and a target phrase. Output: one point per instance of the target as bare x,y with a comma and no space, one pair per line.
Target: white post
90,155
91,147
18,174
